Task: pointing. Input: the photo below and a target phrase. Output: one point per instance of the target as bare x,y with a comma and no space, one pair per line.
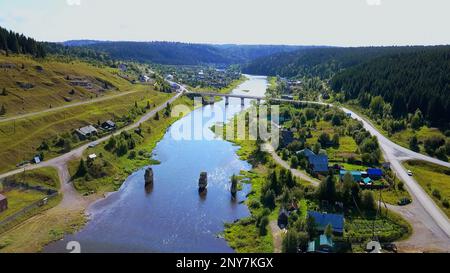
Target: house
318,163
323,219
283,218
323,244
144,78
108,125
86,131
375,173
367,181
306,152
3,203
357,175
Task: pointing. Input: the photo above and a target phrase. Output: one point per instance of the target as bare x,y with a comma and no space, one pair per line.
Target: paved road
65,106
395,154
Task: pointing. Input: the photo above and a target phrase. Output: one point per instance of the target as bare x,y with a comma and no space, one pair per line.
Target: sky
296,22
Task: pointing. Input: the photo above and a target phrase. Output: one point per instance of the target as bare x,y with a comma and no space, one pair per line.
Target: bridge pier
226,101
242,101
258,101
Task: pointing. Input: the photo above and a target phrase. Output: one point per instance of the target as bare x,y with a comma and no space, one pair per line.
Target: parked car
409,172
404,201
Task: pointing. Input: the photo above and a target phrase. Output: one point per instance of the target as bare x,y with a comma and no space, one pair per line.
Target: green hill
28,84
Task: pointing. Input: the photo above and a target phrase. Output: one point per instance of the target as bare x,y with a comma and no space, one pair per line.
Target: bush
263,225
445,203
436,193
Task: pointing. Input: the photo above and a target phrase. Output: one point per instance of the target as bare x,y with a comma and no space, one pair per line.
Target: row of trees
18,43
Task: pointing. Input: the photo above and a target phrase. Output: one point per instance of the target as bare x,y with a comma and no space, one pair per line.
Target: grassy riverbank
112,166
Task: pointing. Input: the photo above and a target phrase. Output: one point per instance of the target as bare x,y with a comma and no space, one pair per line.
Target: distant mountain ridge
177,53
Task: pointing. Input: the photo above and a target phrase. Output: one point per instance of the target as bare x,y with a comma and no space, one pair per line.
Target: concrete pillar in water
202,182
226,101
148,177
242,101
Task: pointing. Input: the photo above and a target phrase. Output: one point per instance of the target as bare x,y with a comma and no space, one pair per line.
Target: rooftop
323,219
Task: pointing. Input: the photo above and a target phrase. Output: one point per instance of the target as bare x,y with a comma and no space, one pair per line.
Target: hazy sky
303,22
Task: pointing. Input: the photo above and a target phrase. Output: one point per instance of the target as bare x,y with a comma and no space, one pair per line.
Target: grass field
20,139
434,179
46,177
52,82
19,199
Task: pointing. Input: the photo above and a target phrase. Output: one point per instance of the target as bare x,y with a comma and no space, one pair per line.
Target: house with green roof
323,244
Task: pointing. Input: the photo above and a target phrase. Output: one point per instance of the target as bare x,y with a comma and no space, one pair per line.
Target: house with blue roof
324,219
357,175
323,244
318,163
375,173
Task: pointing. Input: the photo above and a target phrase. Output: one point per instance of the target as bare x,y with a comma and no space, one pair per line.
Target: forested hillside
182,53
323,62
408,81
18,43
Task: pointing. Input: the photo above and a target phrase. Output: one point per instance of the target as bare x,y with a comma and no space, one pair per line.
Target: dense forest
18,43
321,62
408,81
175,53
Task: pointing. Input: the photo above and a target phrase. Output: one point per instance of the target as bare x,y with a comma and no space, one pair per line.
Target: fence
12,184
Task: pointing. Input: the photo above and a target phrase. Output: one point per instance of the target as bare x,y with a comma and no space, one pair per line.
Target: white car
409,172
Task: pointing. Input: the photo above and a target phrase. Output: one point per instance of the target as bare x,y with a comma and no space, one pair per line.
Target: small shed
3,203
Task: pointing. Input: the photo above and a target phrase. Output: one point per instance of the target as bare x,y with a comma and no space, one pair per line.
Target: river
172,217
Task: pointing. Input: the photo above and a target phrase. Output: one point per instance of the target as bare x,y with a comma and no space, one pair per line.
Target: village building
317,163
108,125
3,203
86,131
322,220
323,244
375,173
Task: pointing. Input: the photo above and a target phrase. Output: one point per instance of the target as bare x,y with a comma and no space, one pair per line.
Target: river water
172,217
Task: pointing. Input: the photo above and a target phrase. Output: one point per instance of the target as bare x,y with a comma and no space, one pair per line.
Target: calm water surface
172,217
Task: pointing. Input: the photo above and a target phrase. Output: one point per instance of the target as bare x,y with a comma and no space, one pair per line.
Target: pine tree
2,110
82,169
